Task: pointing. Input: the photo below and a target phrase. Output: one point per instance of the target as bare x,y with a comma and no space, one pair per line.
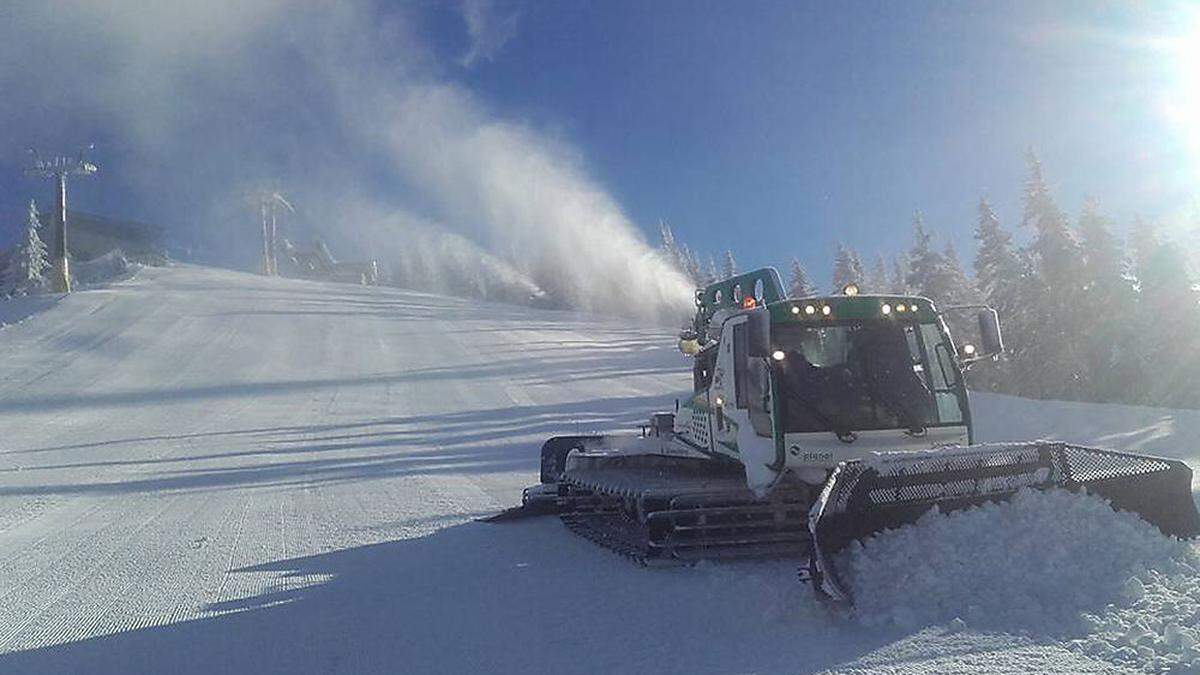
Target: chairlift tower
269,203
59,168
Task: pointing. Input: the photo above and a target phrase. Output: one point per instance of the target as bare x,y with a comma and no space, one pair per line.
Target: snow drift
1049,563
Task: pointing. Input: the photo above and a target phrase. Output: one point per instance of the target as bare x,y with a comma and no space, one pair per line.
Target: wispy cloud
489,28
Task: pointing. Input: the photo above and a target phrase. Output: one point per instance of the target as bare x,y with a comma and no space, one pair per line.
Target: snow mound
108,267
1052,563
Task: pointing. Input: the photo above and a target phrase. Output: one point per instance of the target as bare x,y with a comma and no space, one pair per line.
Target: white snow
207,471
1051,564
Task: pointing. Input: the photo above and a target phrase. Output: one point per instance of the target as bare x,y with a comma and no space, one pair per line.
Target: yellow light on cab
810,310
795,309
850,289
827,310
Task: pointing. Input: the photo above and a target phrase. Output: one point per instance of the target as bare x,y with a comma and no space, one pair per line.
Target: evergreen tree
997,267
1145,241
859,271
954,288
29,260
668,241
924,263
899,274
1170,323
799,285
877,279
847,269
1053,365
713,274
730,267
1110,350
688,264
998,274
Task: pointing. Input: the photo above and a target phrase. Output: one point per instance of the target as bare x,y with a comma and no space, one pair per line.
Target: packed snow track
208,471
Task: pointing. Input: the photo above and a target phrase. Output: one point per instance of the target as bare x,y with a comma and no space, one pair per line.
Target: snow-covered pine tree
799,285
1169,317
847,268
691,265
730,267
998,277
713,274
668,241
924,263
29,260
997,267
877,279
1144,242
675,253
898,283
955,287
858,269
1053,365
1110,350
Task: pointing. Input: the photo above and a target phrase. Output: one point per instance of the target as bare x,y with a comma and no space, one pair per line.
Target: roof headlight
886,309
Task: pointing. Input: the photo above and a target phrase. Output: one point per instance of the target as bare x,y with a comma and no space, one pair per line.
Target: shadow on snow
474,597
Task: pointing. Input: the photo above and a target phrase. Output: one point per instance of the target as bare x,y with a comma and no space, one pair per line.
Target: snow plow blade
889,490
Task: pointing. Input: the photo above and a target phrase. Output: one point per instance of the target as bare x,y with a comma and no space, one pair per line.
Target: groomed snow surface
206,471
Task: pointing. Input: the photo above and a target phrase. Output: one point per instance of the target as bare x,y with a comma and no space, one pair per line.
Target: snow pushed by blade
1050,563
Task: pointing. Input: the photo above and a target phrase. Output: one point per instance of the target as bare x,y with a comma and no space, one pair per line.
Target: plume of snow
348,110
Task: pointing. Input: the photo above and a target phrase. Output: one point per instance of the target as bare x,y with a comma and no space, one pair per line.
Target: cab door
723,394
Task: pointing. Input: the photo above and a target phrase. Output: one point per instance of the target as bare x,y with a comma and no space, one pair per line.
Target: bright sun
1183,102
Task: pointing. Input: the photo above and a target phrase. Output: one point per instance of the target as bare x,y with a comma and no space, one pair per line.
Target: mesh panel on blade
1085,465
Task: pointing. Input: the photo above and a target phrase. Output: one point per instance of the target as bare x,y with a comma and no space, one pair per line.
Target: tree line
1087,315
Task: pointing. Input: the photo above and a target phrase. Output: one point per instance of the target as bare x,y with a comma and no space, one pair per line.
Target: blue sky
772,128
784,127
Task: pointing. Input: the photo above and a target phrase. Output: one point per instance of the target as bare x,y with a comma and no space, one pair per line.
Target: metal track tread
662,512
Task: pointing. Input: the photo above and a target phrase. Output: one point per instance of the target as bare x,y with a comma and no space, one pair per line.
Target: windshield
864,376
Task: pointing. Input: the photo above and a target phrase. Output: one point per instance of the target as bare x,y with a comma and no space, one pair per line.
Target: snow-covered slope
206,471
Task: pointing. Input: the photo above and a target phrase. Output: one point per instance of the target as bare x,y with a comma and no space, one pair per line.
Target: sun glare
1183,101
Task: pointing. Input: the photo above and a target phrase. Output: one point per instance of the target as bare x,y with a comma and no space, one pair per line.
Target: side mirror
758,334
991,342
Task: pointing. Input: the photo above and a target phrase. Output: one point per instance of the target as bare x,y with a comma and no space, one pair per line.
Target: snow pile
1156,625
1050,563
108,267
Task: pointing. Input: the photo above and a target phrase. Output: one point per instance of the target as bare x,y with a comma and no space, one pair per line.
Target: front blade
894,489
537,500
